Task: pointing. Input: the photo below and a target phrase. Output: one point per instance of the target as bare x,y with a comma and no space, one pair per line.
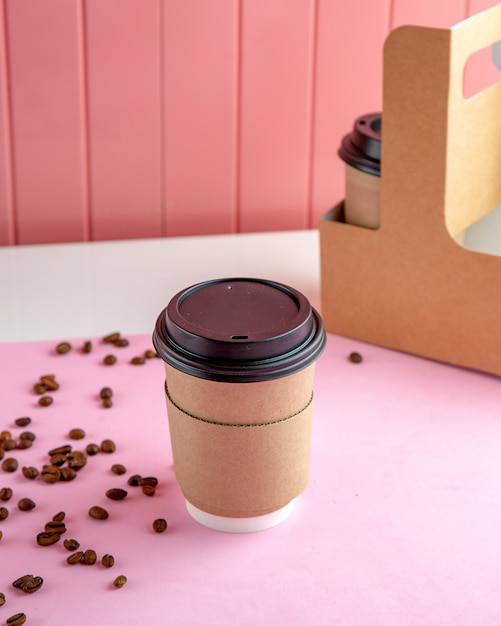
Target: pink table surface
400,523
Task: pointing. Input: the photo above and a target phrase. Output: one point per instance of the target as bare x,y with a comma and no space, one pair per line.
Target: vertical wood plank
348,83
428,12
123,82
200,64
7,229
44,68
275,118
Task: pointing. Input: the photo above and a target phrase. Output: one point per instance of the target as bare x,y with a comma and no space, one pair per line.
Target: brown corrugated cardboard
408,285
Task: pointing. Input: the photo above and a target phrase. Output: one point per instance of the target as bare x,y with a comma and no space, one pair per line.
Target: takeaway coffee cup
239,358
361,152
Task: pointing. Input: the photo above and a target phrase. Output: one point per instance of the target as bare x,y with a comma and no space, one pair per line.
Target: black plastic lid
239,330
362,147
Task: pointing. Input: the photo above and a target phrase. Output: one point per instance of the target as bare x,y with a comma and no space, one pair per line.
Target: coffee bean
148,490
87,347
2,454
121,342
16,620
50,382
107,445
8,444
120,581
134,480
59,517
150,354
67,474
19,582
45,401
110,359
26,504
47,538
97,512
107,403
106,392
2,599
75,558
5,494
30,472
39,388
34,583
76,459
355,357
160,525
23,421
76,433
116,494
89,557
50,473
9,465
71,544
63,347
111,338
138,360
148,480
4,513
118,469
92,449
24,444
55,527
28,435
108,560
60,450
4,435
1,535
58,459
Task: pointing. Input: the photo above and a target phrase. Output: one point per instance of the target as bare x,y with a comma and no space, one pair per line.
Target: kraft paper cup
239,359
361,151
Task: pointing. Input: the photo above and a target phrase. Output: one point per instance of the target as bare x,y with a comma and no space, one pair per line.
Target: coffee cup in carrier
361,152
239,357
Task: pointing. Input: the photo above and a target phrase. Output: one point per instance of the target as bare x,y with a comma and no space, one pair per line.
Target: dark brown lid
362,147
239,330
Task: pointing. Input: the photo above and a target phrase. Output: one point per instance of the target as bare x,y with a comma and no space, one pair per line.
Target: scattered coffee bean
1,535
148,490
63,347
30,472
8,444
76,459
24,444
27,435
120,581
76,433
55,527
47,538
89,557
2,599
67,474
58,459
111,338
92,449
2,454
134,480
97,512
50,474
118,469
4,513
107,403
150,354
34,583
75,558
19,582
9,465
26,504
23,421
45,401
148,480
355,357
87,347
16,620
39,388
50,382
71,544
110,359
138,360
106,392
60,450
107,445
116,494
108,560
59,517
5,434
5,494
160,525
121,342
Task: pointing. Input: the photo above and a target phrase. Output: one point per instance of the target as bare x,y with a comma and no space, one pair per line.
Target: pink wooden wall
148,118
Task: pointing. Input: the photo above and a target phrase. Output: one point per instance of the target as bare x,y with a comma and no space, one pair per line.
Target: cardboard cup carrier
239,359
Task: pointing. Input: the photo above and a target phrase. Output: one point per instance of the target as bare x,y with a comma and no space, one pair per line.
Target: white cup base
240,524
